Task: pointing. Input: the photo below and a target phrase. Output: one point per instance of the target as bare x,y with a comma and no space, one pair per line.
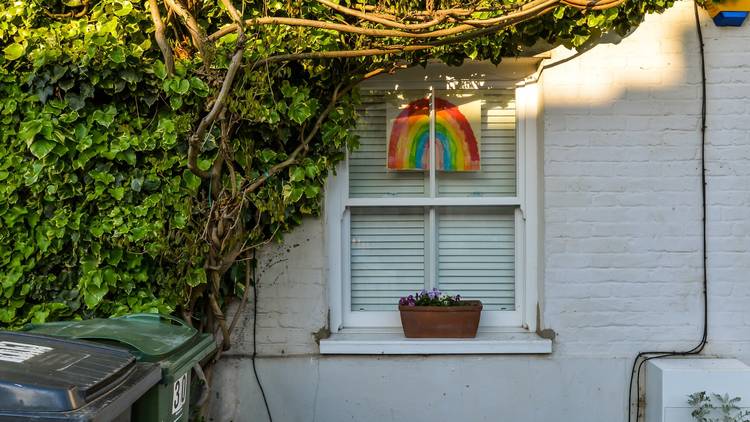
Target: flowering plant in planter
432,297
434,314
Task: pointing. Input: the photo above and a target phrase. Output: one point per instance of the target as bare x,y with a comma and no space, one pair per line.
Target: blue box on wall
728,12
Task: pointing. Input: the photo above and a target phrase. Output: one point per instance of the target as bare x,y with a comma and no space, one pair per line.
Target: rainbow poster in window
457,134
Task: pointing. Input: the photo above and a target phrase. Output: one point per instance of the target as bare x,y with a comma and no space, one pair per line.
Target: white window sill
394,343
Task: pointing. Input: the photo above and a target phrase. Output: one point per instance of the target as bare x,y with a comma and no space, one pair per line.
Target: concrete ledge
394,343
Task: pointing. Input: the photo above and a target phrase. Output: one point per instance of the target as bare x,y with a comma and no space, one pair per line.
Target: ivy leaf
159,69
94,294
118,55
41,148
122,7
196,277
312,191
199,87
175,102
29,130
192,181
300,113
297,174
118,193
181,86
13,51
267,155
105,117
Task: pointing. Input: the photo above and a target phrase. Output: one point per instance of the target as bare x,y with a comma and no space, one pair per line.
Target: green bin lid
151,336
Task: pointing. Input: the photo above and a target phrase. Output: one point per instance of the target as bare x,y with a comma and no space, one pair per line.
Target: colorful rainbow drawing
457,148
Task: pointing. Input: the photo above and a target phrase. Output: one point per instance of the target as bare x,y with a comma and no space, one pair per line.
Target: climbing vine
148,148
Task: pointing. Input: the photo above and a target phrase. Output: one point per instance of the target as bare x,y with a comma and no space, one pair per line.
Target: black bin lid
47,374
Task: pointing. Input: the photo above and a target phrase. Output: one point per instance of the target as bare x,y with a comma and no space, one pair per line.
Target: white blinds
476,255
368,174
387,256
497,146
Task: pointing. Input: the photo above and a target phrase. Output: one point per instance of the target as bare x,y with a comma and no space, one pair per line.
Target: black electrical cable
255,338
644,357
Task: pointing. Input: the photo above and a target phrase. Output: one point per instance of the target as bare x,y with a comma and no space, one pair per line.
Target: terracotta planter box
441,321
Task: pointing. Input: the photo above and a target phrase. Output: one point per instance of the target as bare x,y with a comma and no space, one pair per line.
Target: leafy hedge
99,215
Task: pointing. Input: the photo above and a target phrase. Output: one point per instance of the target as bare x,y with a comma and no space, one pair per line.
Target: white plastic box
669,382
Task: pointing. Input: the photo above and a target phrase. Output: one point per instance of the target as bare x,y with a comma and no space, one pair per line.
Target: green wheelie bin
167,341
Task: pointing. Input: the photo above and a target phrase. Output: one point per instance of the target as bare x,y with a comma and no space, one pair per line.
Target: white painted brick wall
622,189
292,296
622,245
622,185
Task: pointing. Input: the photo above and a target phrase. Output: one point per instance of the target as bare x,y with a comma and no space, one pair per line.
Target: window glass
370,172
476,255
491,116
387,256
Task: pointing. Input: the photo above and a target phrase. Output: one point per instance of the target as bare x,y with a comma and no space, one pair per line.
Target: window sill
391,342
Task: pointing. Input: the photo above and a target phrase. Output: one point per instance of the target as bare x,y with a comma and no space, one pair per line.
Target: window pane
369,175
476,255
387,256
496,175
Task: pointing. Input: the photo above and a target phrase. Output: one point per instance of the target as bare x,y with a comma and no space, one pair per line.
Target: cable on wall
644,357
255,338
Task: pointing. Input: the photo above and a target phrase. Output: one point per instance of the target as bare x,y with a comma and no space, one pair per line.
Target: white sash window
392,232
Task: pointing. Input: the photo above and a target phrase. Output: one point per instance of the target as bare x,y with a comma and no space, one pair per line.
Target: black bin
51,379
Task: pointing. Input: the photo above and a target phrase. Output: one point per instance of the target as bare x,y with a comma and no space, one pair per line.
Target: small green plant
717,408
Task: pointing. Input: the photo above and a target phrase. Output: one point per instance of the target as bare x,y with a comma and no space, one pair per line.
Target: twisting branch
195,142
383,21
539,8
196,34
593,4
161,39
527,9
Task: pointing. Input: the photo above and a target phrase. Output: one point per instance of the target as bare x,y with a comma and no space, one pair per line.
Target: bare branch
161,39
196,34
539,8
531,8
383,21
593,4
196,139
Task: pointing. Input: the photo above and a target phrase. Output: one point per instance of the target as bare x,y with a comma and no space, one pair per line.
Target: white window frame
526,201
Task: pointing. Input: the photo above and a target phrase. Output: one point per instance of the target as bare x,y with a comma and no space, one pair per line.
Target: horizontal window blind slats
368,173
387,256
389,286
477,244
497,141
495,266
476,250
364,282
386,252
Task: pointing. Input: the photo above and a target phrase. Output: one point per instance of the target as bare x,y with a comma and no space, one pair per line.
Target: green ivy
98,213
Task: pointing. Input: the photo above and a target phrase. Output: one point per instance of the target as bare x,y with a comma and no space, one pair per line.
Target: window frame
526,203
